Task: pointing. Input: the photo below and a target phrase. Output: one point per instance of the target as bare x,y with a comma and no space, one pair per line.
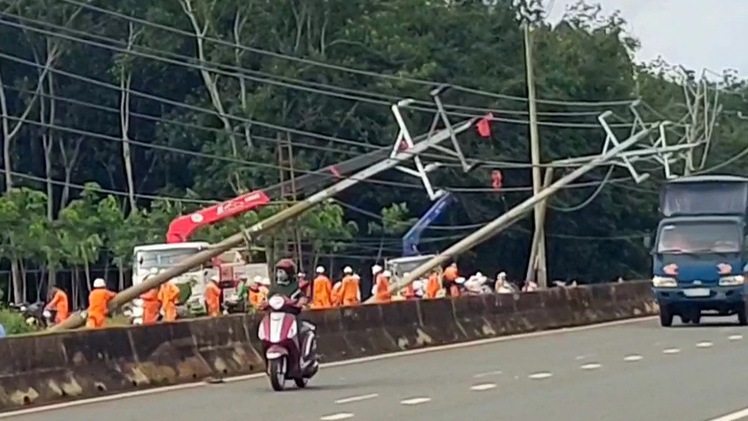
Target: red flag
497,180
484,125
335,172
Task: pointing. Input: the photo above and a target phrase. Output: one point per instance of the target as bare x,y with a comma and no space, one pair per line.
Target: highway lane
633,371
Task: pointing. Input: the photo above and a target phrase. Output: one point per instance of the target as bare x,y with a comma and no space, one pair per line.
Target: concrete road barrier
43,369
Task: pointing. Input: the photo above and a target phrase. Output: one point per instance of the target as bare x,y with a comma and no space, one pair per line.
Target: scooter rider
286,284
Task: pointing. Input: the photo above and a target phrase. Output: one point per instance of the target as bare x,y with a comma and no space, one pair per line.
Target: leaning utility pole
404,150
536,269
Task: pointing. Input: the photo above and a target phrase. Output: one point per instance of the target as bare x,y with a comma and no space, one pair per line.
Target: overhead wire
345,69
325,91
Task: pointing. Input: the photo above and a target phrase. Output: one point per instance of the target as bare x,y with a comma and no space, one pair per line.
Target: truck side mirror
647,241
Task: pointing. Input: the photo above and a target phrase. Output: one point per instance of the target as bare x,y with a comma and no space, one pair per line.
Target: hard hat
153,271
376,269
347,269
406,274
265,281
387,274
99,283
501,275
214,278
320,269
417,285
478,275
257,279
460,280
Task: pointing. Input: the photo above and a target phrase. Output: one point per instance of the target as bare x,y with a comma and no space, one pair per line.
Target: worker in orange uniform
449,280
168,295
258,291
408,291
432,285
212,297
336,296
321,290
98,301
59,303
151,304
350,288
382,288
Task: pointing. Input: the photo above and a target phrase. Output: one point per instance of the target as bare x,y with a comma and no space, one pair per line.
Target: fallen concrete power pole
515,214
397,158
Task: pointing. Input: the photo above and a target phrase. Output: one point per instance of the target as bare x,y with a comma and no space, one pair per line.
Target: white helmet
265,281
153,271
460,280
99,283
320,269
214,278
478,275
376,269
347,269
387,274
501,275
417,285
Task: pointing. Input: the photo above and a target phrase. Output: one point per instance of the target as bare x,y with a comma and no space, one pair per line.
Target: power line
337,67
266,78
158,119
298,87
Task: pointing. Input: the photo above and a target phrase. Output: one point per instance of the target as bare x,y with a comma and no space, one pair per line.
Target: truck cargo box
704,195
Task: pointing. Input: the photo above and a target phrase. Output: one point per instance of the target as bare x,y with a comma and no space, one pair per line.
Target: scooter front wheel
277,373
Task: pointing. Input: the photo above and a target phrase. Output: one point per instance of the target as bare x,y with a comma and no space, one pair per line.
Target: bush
14,323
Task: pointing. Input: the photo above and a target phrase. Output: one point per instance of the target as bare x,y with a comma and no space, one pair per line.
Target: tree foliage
192,105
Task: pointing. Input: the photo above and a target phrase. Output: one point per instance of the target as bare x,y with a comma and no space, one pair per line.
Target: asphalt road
635,371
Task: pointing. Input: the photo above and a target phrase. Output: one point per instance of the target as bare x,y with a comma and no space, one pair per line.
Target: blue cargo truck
699,250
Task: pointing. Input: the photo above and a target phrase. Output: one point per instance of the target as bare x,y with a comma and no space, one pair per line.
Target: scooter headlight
664,282
276,302
731,280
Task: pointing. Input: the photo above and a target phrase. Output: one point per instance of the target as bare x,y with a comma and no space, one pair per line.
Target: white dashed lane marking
704,344
631,358
735,337
415,401
671,351
487,374
336,417
484,386
591,366
539,376
357,398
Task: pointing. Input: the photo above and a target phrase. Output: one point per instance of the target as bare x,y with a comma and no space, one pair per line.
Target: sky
697,34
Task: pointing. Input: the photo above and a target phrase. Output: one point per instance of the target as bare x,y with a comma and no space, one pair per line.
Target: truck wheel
742,319
666,317
685,319
696,318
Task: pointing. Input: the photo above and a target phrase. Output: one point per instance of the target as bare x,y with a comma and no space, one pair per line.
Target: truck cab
699,250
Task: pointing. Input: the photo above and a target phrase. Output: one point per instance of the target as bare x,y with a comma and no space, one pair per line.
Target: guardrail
44,369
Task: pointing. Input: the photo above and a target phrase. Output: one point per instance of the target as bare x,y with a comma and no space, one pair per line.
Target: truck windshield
700,237
162,259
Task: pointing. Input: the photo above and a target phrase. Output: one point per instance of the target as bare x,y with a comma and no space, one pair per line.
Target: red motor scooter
289,349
